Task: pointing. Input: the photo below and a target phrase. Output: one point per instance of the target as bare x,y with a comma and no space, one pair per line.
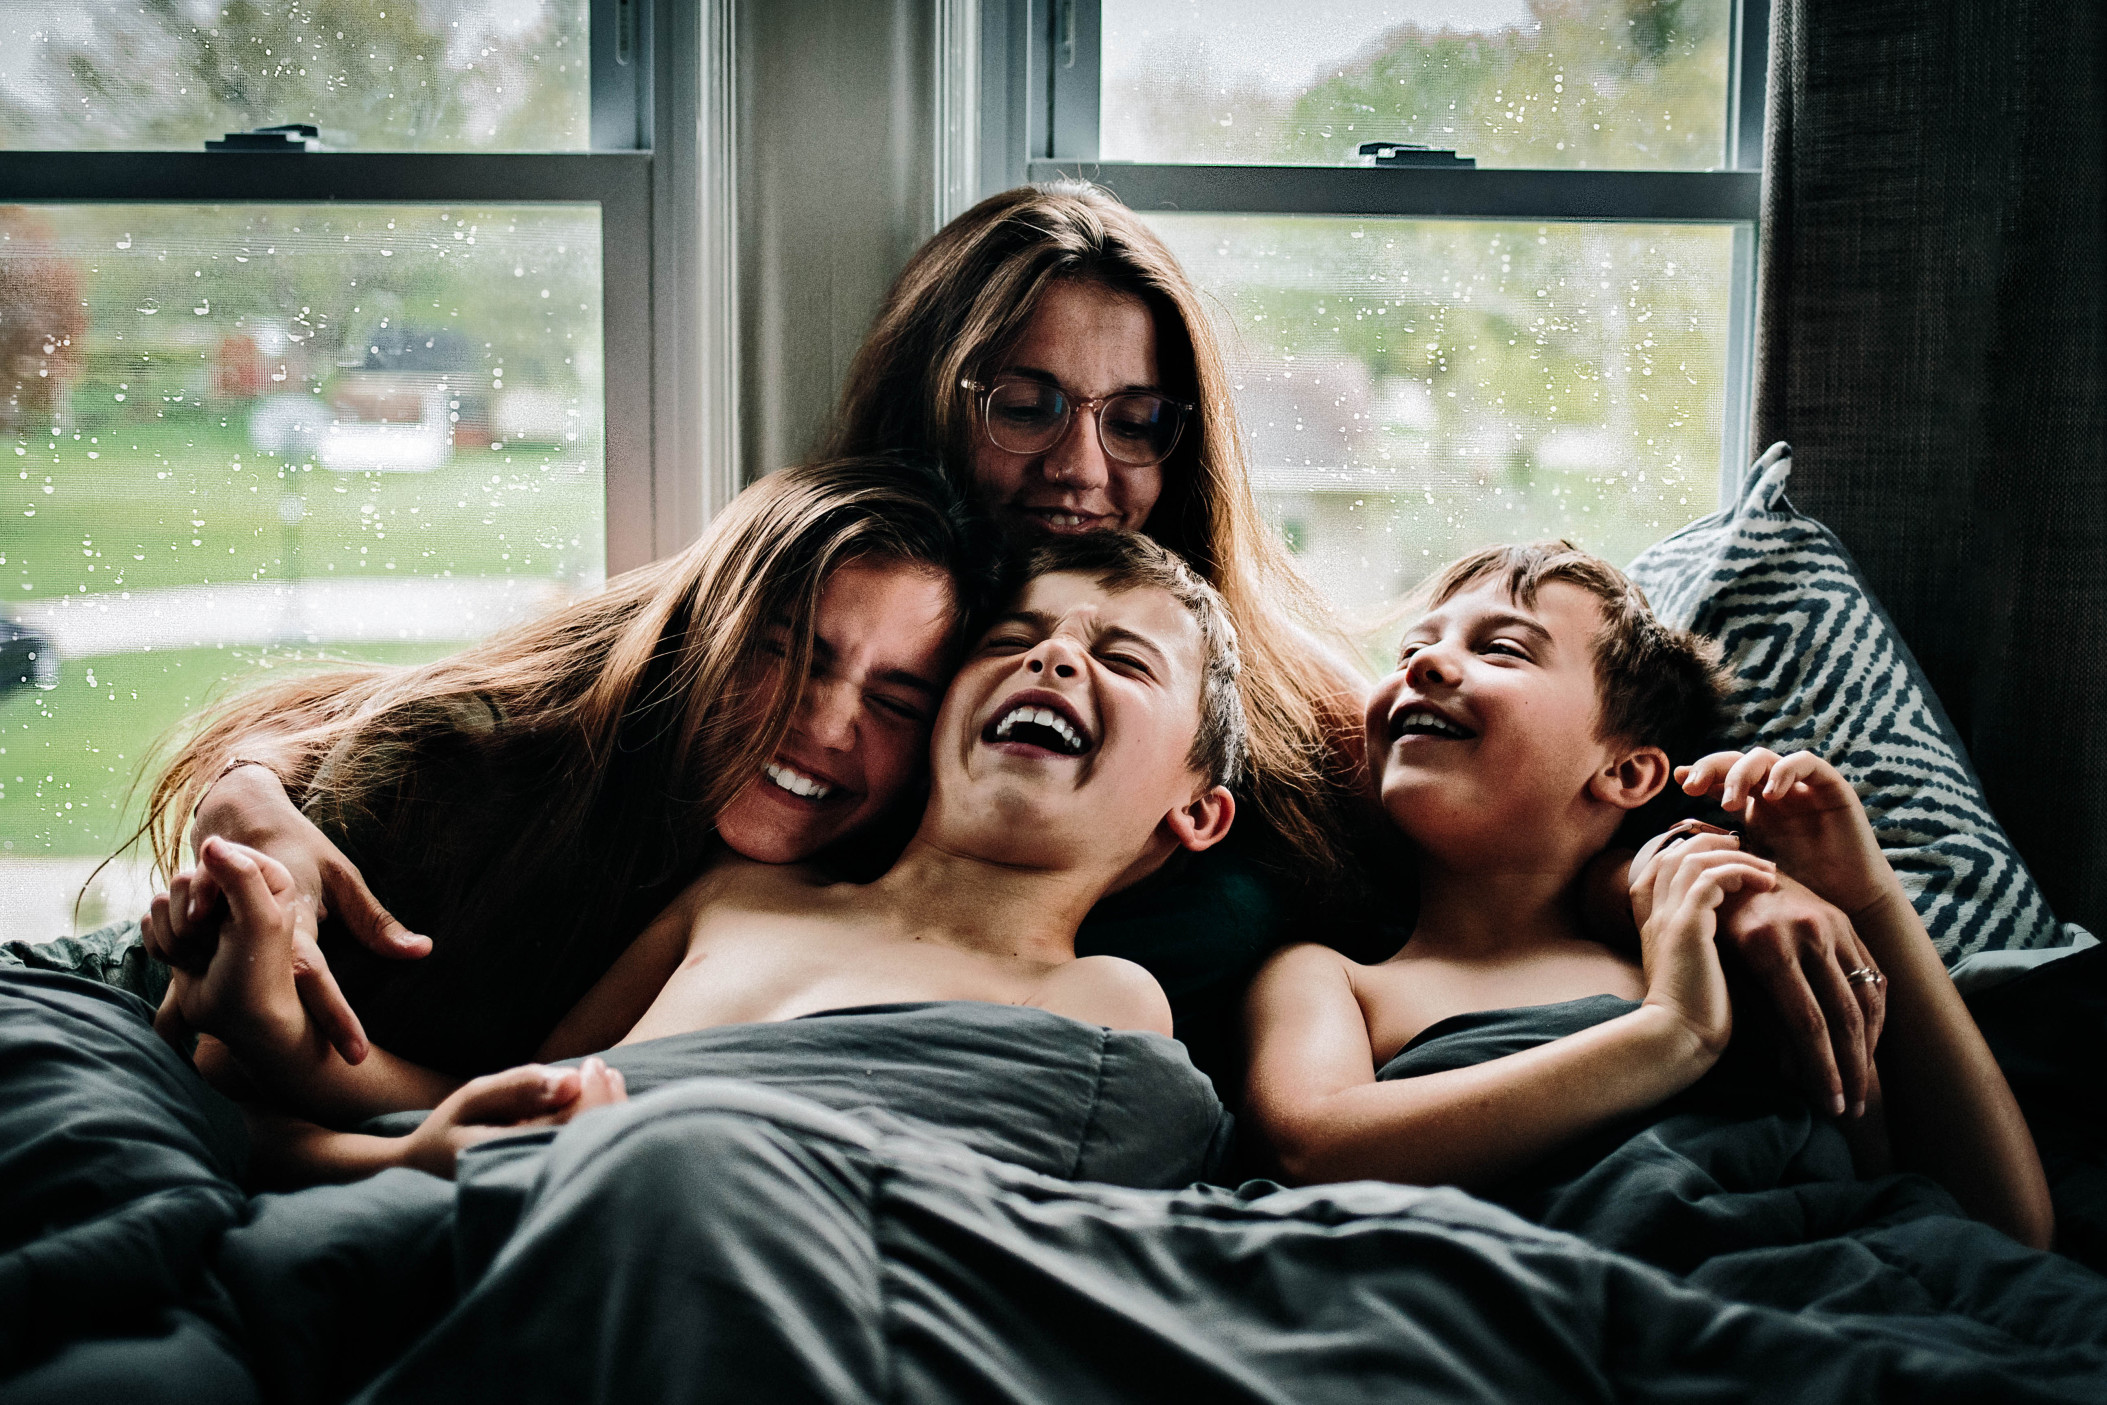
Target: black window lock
289,136
1406,153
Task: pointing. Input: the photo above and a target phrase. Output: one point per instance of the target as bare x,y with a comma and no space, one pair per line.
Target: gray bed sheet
871,1205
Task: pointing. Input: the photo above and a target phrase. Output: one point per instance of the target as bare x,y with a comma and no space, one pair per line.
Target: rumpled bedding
1737,1189
880,1204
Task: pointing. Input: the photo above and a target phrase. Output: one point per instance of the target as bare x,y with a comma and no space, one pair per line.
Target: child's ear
1629,779
1201,824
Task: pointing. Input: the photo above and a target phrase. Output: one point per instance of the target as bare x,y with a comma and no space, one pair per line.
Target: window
370,401
1537,327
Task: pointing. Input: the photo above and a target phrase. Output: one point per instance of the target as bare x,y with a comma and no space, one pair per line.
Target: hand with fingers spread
248,805
1685,880
499,1104
1802,812
1949,1110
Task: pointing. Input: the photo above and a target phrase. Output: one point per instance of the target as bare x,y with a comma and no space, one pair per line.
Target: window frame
660,169
1039,102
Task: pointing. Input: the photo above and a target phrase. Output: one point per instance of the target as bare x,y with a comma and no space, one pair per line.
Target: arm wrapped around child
1949,1111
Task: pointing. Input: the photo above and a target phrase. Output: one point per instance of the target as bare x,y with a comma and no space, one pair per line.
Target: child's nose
1430,666
1055,657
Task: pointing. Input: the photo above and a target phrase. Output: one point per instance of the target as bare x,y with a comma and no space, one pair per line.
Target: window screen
1414,389
374,75
252,437
1622,85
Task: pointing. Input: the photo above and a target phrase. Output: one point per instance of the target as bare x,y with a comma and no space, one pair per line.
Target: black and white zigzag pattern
1818,667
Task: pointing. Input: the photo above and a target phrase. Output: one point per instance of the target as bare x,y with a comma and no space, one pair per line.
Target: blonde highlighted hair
657,663
954,313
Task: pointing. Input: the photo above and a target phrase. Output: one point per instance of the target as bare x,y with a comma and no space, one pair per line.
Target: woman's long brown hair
659,661
954,313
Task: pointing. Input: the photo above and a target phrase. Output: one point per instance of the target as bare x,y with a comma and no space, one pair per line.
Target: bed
973,1203
967,1202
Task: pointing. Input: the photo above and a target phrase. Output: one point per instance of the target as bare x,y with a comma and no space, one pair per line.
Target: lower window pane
253,437
1413,389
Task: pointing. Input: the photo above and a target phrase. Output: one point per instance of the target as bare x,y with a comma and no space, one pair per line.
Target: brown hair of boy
1659,686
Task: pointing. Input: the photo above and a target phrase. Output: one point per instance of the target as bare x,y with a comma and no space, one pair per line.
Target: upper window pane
1599,84
255,437
374,75
1411,390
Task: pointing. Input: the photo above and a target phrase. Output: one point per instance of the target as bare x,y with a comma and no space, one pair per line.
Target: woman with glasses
1049,347
1047,343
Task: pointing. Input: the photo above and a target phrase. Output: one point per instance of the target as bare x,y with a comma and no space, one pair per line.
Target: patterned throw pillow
1819,667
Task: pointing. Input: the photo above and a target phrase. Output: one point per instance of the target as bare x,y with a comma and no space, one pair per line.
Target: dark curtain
1930,343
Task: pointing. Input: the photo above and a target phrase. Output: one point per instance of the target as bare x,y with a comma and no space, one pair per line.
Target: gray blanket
827,1223
715,1241
132,1265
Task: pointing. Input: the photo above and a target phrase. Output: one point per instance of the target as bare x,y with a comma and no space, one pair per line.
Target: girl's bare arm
290,1152
1950,1112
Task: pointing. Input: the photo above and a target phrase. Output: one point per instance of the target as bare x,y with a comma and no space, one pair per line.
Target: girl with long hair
534,800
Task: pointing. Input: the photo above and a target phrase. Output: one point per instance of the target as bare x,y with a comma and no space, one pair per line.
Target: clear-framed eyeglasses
1134,427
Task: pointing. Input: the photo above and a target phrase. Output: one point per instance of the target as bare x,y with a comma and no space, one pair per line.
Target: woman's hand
1802,812
1803,952
1686,877
249,806
498,1104
244,993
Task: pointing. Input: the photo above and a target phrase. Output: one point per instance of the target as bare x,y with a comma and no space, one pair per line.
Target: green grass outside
164,504
68,757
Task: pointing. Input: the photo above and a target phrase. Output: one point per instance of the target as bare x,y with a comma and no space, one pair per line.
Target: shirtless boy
1534,705
1094,730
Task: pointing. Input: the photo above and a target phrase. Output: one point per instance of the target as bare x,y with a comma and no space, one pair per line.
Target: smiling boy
1536,702
1094,730
1089,734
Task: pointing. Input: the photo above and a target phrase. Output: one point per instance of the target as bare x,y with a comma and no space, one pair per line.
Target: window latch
289,136
1407,153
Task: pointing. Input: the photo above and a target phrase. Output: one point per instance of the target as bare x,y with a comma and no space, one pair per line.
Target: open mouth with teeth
795,782
1425,722
1045,728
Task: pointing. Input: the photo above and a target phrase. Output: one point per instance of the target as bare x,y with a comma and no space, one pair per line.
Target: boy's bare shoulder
1303,963
1107,990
